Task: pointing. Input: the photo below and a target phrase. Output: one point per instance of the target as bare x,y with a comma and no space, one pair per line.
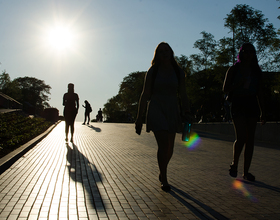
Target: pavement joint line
111,173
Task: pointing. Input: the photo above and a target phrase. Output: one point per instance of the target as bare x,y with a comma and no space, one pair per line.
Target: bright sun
60,38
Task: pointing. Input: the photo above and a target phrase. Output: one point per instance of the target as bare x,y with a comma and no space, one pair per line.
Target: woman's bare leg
240,127
249,146
165,141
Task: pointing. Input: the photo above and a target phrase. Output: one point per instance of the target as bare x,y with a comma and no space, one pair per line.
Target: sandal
165,188
249,177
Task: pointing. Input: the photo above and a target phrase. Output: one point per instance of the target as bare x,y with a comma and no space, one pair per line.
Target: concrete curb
9,159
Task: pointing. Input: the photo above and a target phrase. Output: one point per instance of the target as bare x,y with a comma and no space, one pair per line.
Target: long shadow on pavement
184,197
95,128
215,136
262,185
231,139
83,171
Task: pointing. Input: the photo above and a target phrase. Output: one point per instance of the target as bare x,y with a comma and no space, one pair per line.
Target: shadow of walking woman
82,171
196,206
95,128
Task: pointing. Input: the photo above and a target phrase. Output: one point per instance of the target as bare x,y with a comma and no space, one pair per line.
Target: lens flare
193,142
240,186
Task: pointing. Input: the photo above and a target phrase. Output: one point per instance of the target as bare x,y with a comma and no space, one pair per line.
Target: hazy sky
96,43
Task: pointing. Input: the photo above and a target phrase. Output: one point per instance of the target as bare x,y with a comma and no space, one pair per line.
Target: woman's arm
64,100
261,103
183,94
228,82
77,102
145,96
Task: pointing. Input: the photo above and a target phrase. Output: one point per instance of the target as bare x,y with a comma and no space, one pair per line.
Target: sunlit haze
95,44
60,38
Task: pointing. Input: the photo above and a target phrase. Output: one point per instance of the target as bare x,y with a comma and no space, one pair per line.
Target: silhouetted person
100,116
87,111
71,106
162,82
243,83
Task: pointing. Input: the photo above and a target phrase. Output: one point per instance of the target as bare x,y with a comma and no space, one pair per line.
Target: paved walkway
111,173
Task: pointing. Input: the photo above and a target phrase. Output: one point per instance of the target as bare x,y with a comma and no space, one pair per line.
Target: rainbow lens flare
240,186
193,142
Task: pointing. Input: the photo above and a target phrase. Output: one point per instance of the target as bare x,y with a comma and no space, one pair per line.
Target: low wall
270,132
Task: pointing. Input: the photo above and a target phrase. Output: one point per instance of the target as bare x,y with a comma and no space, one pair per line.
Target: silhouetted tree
278,32
207,46
34,91
249,25
5,80
27,90
9,87
224,52
186,64
123,106
206,70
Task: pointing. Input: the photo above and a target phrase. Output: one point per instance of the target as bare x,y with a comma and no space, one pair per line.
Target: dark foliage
17,129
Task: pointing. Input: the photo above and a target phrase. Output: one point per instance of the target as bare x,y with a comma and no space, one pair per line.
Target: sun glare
60,38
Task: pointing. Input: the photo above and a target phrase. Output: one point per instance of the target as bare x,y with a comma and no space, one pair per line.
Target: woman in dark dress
243,81
163,81
71,106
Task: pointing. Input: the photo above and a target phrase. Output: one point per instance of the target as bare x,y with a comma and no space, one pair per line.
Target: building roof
9,98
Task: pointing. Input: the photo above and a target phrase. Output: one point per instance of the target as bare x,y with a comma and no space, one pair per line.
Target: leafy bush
17,129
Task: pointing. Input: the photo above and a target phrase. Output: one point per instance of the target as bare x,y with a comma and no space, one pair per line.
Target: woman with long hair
71,106
243,82
163,81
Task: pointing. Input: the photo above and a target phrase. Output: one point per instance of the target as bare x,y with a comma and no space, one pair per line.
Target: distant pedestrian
99,115
243,82
71,106
162,82
88,110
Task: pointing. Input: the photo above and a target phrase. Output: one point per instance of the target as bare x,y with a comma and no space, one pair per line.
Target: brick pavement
111,173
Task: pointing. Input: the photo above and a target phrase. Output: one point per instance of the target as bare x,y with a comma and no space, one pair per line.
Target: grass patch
17,129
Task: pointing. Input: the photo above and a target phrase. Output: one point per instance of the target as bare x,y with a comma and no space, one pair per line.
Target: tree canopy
29,91
123,106
249,25
205,71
